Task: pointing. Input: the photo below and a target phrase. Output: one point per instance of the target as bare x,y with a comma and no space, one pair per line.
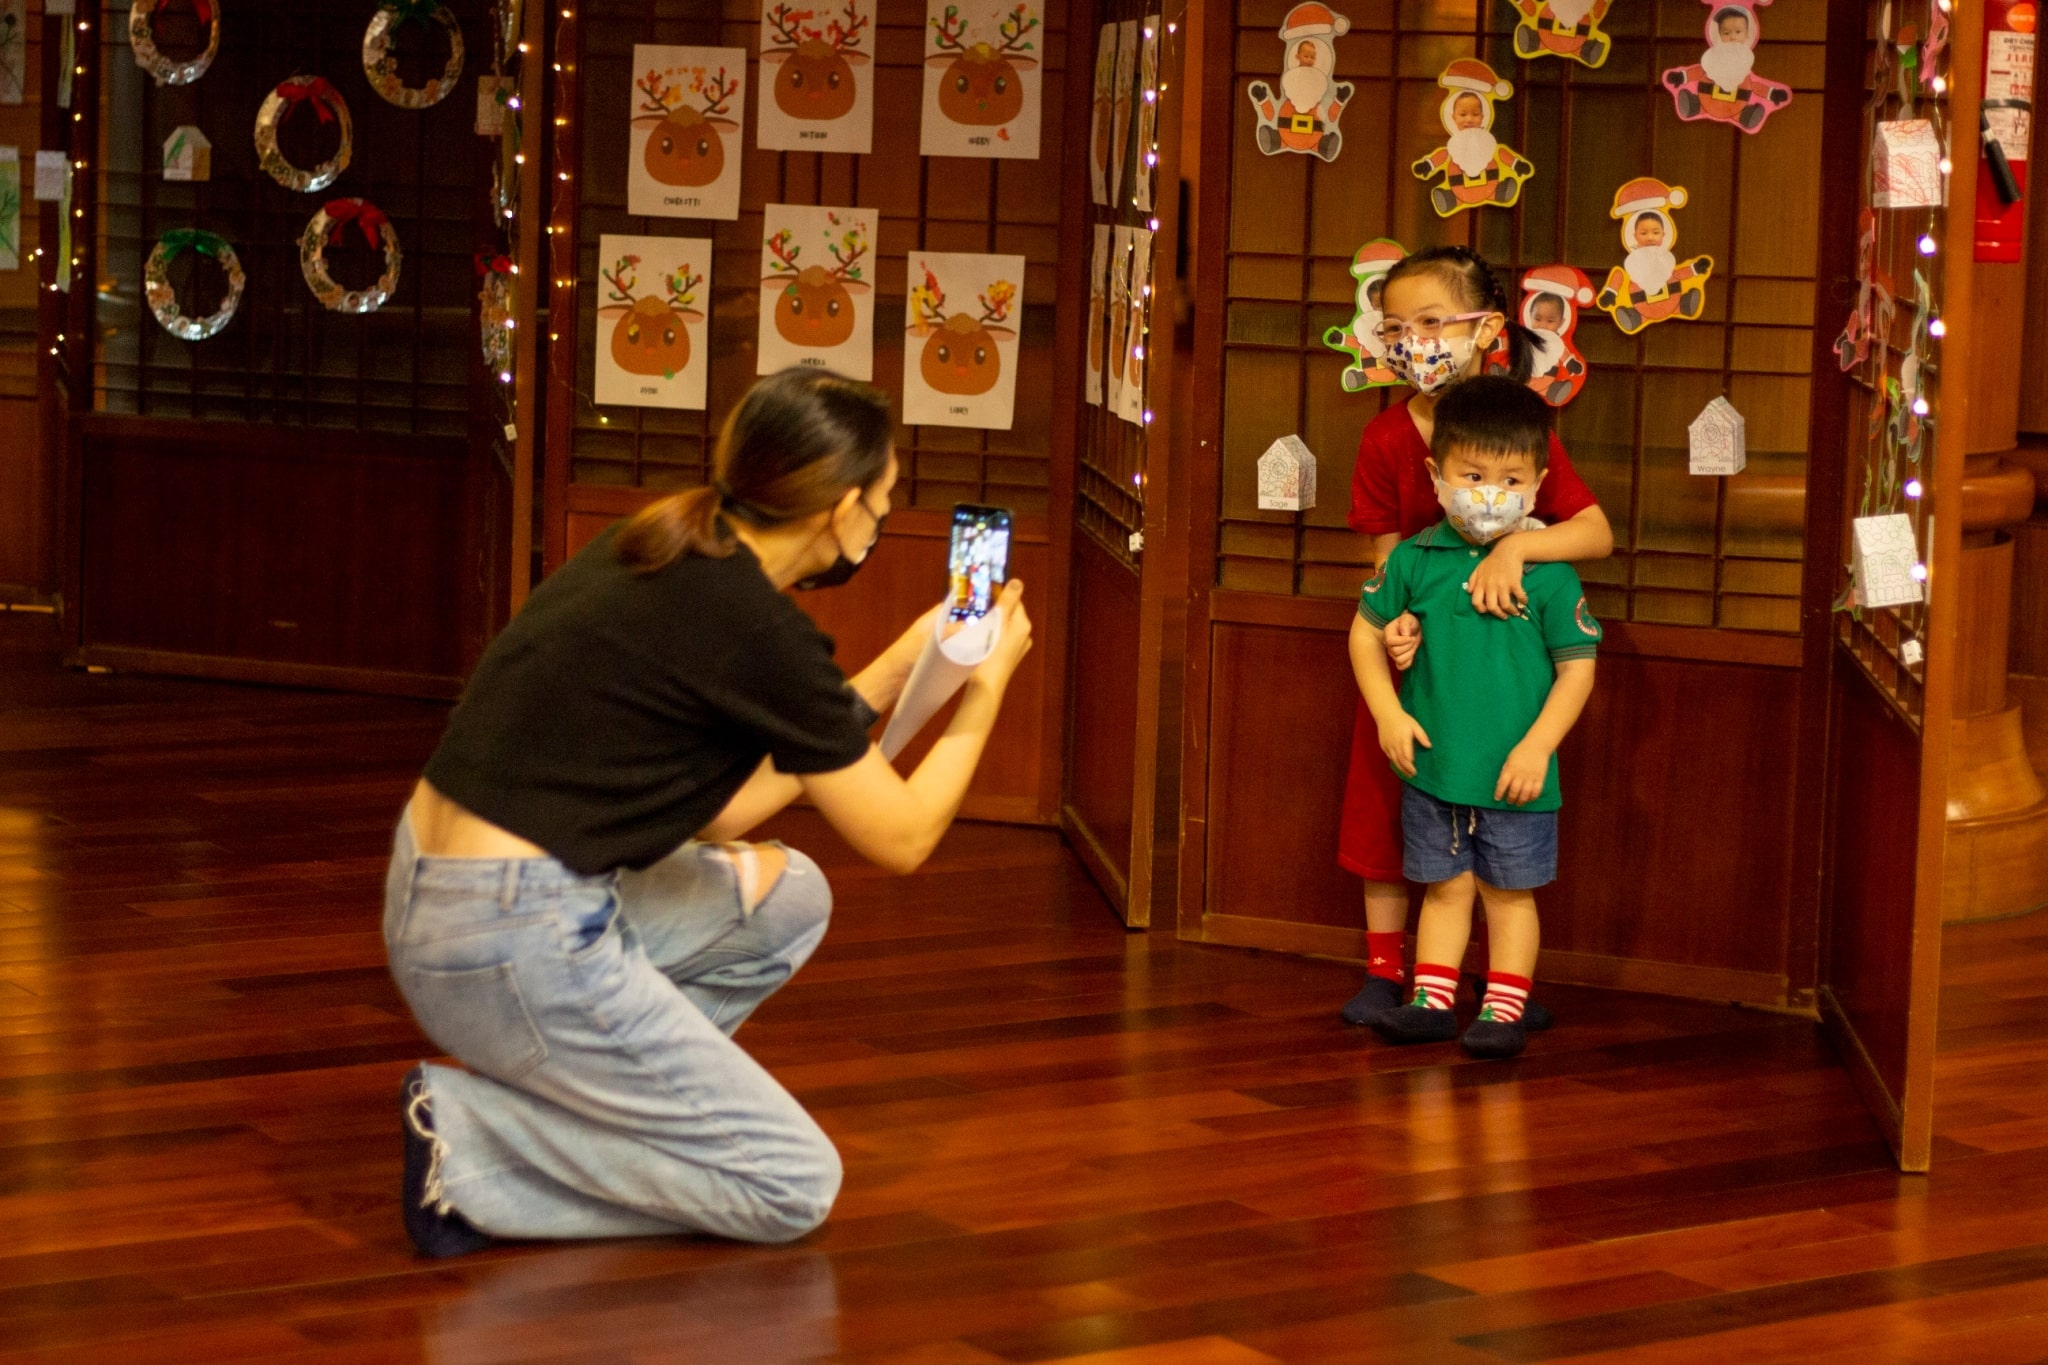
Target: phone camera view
979,560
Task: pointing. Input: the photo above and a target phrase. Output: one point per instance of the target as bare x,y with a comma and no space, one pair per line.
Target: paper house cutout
187,155
1911,653
1718,445
1287,477
1883,560
1905,166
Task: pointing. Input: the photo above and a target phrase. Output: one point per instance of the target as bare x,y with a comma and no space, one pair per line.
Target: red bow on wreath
203,8
489,264
320,90
367,216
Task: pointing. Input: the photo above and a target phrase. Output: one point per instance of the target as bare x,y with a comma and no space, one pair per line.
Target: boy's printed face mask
1484,513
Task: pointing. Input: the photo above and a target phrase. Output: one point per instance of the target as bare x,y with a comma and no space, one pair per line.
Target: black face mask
841,569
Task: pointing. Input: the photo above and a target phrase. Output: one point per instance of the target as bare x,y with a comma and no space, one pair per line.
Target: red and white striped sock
1436,987
1506,994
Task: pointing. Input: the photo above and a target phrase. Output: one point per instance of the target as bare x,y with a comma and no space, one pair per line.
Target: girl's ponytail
1466,273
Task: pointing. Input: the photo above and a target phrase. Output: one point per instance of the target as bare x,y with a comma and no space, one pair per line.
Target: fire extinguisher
2006,126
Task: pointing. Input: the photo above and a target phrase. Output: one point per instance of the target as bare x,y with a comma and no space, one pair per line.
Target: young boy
1474,731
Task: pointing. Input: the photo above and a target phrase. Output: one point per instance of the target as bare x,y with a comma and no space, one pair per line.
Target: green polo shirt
1478,682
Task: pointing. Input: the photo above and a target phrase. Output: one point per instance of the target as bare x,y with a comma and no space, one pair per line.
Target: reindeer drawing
815,307
960,354
980,86
685,145
816,76
651,338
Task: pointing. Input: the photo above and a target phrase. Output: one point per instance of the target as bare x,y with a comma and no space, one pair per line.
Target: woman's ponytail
790,449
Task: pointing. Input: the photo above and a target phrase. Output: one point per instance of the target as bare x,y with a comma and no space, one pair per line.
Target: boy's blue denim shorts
1512,850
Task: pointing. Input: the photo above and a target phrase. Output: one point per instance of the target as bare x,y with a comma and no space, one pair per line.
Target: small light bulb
1944,165
1920,408
1937,328
1138,351
1913,488
512,103
1920,572
1148,414
1940,85
1154,225
504,376
1927,245
1175,28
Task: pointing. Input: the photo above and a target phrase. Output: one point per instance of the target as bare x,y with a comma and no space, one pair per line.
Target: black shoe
1489,1037
436,1228
1535,1016
1416,1024
1376,996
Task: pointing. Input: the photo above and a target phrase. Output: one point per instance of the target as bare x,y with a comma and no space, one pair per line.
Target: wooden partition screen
604,462
1682,840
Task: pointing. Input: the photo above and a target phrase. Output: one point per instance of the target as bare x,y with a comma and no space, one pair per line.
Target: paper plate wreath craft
1651,284
171,70
494,312
278,105
1722,84
163,299
377,231
1301,114
1562,28
380,62
1476,167
1555,294
1359,338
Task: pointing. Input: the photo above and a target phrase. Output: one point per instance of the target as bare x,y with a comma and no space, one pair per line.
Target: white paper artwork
685,105
1905,166
1130,403
1117,305
1882,561
960,354
817,300
818,87
1102,118
1120,105
651,347
1144,161
188,155
982,79
1287,476
1717,436
1098,310
940,669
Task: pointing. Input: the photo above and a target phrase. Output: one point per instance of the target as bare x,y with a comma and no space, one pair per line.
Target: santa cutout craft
1562,28
1722,85
1556,293
1359,339
1301,116
1652,285
1476,167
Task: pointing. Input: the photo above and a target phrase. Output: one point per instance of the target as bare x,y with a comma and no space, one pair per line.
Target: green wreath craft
278,105
380,63
333,216
163,299
169,70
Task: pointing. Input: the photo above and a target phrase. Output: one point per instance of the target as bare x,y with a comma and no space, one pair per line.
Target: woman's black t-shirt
617,714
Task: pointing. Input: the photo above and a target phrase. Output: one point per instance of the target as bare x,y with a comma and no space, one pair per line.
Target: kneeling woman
567,911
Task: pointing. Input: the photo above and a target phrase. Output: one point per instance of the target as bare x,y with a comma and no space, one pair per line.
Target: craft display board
686,103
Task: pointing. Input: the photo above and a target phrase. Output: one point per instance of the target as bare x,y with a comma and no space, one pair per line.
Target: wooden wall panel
287,549
1102,741
26,514
1675,862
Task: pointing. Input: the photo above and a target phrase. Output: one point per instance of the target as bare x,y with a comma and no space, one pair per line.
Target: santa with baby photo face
1477,168
1301,116
1556,293
1652,284
1722,86
1562,28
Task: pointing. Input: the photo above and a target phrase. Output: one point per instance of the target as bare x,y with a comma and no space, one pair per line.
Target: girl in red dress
1444,311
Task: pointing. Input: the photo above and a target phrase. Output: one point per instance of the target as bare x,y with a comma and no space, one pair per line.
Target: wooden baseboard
1680,979
1863,1074
329,677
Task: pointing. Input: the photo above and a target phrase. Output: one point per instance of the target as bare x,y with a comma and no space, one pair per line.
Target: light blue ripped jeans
605,1096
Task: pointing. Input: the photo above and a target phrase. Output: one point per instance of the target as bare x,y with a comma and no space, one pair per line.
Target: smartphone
978,561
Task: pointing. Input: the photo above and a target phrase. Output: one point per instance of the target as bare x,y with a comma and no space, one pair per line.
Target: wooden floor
1062,1142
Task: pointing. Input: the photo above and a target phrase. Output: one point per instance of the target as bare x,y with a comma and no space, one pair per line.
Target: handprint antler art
816,81
980,86
652,336
685,144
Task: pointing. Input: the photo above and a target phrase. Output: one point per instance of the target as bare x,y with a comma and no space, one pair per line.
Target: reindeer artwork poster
817,82
982,63
961,316
1130,397
651,342
1100,121
685,157
1120,106
1117,315
1098,313
1145,101
817,295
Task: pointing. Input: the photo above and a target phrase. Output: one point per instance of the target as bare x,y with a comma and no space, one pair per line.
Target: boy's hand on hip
1522,776
1496,585
1399,734
1403,637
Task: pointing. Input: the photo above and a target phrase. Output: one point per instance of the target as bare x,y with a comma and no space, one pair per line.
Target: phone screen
978,562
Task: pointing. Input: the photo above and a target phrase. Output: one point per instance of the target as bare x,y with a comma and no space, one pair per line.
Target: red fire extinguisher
2006,126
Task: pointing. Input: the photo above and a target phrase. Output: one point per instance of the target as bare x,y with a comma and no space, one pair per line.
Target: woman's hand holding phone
995,671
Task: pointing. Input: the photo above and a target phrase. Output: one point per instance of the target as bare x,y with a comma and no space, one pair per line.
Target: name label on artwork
675,203
957,411
980,142
817,360
649,388
813,134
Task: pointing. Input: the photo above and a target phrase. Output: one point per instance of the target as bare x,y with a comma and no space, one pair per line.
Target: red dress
1391,493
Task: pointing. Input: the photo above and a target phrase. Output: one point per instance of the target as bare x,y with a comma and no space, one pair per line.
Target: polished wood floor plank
1063,1142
